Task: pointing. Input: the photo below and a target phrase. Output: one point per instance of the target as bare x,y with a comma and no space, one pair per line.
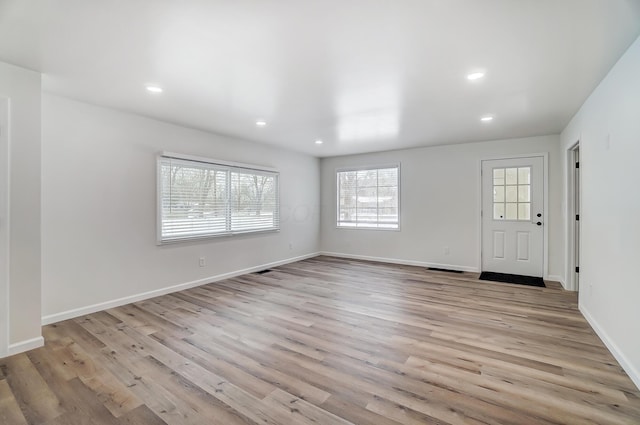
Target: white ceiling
362,75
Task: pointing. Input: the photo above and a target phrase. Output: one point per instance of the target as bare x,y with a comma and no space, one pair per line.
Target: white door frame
545,210
4,224
571,213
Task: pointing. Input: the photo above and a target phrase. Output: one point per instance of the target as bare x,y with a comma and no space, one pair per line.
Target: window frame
396,165
230,166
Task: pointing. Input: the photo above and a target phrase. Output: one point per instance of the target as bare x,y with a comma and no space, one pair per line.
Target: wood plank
141,415
326,341
36,400
10,412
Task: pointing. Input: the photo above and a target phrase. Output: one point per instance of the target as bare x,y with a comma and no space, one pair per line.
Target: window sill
384,229
216,236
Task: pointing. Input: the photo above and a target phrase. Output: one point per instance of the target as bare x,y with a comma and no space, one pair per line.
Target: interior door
4,226
512,216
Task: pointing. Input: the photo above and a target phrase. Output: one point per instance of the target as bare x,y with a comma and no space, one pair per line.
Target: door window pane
512,175
498,211
512,211
498,176
498,194
512,193
524,175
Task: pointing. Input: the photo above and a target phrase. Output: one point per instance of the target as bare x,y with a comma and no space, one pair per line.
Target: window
203,198
368,198
512,193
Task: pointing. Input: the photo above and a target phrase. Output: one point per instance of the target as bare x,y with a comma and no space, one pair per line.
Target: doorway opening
4,226
573,219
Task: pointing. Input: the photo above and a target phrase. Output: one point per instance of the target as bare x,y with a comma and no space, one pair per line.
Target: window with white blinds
368,198
199,199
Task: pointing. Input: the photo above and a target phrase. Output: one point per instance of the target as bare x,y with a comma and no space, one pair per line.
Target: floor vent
264,271
436,269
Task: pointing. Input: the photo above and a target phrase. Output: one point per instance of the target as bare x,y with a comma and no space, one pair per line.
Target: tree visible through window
201,199
368,198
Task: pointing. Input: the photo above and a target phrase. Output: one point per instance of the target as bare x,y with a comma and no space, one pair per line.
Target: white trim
384,229
81,311
547,217
29,344
545,172
570,218
515,156
627,365
5,250
158,200
557,278
217,162
479,213
218,235
369,167
401,261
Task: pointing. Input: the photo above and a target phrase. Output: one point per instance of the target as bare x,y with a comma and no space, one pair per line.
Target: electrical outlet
446,250
202,262
290,246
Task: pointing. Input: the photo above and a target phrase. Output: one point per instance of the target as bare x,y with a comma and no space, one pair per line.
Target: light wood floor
326,341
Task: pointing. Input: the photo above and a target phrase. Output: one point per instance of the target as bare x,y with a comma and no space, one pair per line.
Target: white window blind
368,198
198,199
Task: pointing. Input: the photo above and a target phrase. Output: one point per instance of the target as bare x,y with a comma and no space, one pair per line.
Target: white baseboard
557,279
613,347
70,314
22,346
403,262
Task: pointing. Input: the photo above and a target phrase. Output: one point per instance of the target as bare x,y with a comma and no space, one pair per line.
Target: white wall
608,127
440,204
99,208
22,87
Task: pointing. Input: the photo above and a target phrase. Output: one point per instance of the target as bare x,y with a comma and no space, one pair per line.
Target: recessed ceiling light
486,119
318,142
154,89
475,76
261,123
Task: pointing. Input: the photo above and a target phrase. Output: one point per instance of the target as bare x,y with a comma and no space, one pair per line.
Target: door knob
539,223
538,215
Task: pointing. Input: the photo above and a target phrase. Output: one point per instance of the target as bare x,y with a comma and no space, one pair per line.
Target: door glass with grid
512,193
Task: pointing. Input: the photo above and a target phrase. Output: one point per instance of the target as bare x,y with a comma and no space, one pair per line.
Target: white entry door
4,226
512,216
